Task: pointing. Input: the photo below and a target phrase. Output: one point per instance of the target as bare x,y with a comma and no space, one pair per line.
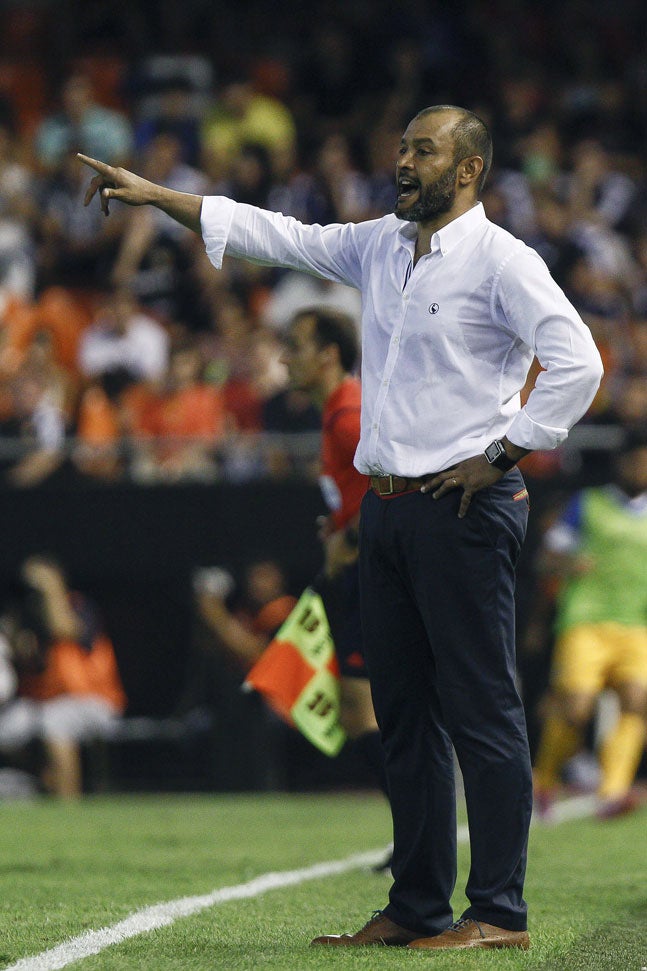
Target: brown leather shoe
468,932
378,930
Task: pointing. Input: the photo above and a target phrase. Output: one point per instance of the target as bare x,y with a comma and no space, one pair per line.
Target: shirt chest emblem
433,308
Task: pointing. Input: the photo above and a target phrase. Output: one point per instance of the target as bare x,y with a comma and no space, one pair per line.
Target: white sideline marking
161,915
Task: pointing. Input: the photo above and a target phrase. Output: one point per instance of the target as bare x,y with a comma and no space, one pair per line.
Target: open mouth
407,189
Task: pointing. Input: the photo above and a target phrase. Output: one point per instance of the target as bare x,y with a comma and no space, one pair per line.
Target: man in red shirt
321,354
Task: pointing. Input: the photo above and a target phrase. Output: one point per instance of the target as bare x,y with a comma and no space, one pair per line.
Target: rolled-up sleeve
272,239
535,308
215,220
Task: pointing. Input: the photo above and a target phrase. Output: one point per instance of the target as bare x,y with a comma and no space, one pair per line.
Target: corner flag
298,674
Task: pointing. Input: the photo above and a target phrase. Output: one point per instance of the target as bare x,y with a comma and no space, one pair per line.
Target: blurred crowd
123,354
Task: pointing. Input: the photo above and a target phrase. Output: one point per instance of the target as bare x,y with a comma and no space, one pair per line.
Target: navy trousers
437,600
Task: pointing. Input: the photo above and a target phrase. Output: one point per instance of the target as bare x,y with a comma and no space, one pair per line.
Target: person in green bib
599,550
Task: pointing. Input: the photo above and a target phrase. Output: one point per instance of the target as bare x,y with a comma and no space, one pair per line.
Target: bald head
470,135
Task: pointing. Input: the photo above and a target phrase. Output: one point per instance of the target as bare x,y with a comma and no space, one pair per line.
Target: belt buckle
389,491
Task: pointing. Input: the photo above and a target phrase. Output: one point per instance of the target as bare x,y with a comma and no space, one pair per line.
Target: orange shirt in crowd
193,414
98,420
196,412
56,311
70,669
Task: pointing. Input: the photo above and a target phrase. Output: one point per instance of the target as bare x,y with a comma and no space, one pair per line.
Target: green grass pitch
68,869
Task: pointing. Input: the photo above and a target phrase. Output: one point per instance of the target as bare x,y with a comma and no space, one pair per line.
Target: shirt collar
453,233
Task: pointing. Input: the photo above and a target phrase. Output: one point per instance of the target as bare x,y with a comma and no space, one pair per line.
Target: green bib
616,589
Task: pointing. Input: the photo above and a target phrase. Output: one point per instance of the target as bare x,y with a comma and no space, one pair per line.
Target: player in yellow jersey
599,549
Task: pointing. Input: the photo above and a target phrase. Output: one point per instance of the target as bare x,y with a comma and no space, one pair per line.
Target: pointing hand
116,183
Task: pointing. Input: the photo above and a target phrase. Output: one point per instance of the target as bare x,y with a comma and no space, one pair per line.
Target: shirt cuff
526,433
215,222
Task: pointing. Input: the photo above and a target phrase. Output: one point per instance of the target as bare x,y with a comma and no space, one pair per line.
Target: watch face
493,451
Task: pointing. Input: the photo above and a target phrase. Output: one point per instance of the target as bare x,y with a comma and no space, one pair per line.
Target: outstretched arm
236,229
113,182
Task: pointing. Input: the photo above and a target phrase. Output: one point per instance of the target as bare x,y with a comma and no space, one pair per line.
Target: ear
469,170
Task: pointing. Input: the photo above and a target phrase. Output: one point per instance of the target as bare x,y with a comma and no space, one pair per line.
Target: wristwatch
496,455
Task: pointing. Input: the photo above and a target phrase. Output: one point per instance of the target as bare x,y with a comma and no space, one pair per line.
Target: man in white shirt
123,336
454,308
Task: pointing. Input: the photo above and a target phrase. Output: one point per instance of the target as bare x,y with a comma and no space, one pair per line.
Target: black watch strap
496,455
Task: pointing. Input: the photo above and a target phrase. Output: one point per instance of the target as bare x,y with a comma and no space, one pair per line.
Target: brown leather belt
392,485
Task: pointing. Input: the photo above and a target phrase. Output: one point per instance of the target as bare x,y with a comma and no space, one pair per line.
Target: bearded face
420,201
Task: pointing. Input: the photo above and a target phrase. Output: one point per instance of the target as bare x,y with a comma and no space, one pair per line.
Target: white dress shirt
447,344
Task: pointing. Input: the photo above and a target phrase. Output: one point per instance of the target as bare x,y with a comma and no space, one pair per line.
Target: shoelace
462,922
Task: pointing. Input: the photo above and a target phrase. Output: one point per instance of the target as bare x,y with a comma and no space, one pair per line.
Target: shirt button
396,340
374,426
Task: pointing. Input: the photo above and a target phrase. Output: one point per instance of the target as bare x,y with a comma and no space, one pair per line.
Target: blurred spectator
156,252
243,622
510,190
77,246
33,434
601,300
332,190
292,425
17,264
599,197
242,115
98,450
542,155
225,346
10,663
82,125
17,210
72,692
295,291
110,412
552,236
41,359
597,192
251,179
245,392
123,336
185,425
174,114
262,375
342,190
170,92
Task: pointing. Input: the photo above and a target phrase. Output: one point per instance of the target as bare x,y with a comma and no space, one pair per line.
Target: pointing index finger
101,167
